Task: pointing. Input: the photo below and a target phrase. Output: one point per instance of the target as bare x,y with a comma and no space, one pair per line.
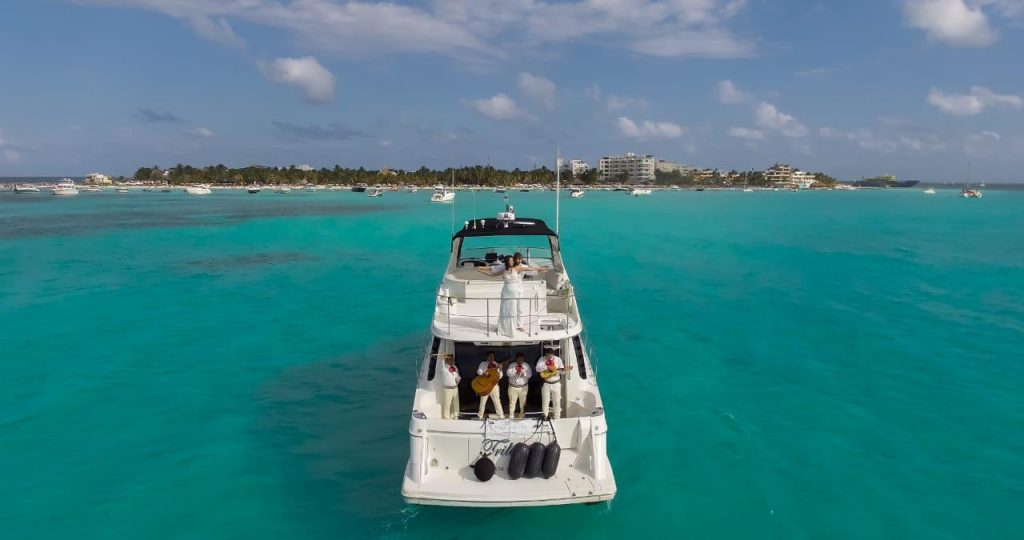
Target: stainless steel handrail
533,315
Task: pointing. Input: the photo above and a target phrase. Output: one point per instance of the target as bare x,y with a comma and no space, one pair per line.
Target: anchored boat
457,457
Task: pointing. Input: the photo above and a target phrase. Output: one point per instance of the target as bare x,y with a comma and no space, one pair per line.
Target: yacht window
577,344
432,368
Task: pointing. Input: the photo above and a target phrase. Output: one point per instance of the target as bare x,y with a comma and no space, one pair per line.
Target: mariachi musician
519,373
450,405
550,368
486,368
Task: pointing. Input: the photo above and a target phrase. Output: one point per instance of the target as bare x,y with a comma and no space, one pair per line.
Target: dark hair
490,353
520,355
517,255
509,263
549,350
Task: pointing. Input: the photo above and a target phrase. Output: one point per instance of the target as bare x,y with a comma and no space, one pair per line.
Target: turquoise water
774,365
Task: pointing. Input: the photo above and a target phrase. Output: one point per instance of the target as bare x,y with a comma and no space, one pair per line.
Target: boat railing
555,310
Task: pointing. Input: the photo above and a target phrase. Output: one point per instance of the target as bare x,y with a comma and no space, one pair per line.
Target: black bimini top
496,227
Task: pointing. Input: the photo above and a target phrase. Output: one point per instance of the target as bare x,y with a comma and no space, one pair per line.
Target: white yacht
971,193
500,462
89,189
639,192
283,189
442,194
25,188
65,187
929,191
576,193
375,192
122,190
198,190
254,189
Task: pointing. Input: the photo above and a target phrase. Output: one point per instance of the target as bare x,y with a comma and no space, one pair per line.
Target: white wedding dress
508,311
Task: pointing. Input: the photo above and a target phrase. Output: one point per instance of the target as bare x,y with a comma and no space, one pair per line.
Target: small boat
119,190
929,191
576,193
442,194
748,190
65,187
254,189
282,189
198,189
699,189
90,189
639,192
968,192
25,188
375,192
359,188
500,190
413,189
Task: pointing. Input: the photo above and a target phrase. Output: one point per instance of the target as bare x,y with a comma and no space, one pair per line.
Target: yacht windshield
492,250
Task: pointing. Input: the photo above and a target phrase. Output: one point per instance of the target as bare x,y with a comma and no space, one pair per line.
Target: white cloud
706,43
728,93
499,107
984,144
648,129
972,103
538,89
768,116
305,73
958,23
890,143
217,30
746,133
202,133
478,28
616,103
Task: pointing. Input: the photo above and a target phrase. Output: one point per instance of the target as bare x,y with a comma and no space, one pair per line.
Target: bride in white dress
509,309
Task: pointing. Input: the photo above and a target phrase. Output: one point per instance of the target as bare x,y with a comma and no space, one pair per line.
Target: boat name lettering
500,447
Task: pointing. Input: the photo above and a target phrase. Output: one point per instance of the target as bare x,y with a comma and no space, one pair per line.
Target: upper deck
468,301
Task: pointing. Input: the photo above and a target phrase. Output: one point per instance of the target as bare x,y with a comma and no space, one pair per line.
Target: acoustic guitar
548,373
483,384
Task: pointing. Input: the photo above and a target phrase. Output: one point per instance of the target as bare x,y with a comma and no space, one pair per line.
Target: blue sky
915,88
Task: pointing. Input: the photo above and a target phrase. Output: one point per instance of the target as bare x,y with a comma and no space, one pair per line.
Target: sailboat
967,192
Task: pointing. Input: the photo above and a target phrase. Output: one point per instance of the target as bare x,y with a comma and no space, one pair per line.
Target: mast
558,187
453,196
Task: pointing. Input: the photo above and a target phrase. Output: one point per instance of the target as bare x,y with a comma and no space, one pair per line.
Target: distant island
476,175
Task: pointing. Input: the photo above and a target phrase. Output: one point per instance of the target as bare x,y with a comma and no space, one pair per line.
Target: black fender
483,469
517,460
551,455
535,460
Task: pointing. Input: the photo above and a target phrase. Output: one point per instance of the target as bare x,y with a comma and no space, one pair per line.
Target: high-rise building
628,168
672,166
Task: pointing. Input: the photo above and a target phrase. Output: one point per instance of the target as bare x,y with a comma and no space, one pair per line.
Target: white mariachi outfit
518,381
551,391
451,379
495,394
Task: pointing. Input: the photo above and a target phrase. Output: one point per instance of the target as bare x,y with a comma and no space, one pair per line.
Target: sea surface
774,365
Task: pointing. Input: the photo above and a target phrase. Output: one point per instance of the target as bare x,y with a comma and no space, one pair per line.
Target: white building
785,176
803,179
575,167
98,179
672,166
630,168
